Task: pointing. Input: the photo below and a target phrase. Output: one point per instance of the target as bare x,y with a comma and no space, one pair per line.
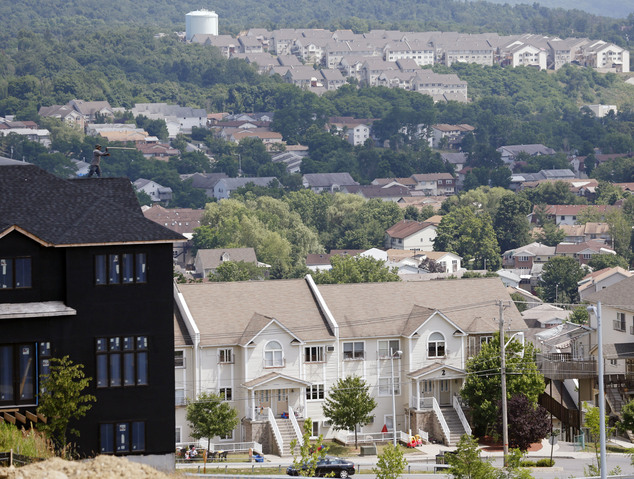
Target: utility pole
603,455
505,425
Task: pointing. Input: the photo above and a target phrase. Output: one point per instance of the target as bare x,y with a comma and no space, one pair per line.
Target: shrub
30,443
545,463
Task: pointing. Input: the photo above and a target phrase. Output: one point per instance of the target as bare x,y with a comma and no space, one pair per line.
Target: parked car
327,465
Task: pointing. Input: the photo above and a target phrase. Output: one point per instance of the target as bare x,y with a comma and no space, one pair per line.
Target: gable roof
406,228
618,295
384,309
225,311
326,180
77,212
212,258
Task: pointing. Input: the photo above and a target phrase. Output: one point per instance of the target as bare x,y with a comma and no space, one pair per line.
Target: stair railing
441,420
463,418
276,430
298,432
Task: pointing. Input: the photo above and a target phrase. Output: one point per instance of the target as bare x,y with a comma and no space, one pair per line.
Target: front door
444,395
281,401
263,400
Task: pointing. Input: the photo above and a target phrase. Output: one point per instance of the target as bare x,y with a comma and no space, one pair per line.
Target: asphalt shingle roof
60,212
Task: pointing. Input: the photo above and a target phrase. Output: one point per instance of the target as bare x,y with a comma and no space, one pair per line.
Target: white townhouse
274,350
411,235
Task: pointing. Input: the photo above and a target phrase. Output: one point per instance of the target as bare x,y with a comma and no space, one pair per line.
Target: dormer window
273,355
436,345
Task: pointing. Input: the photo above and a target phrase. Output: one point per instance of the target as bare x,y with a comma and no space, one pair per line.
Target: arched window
273,355
436,345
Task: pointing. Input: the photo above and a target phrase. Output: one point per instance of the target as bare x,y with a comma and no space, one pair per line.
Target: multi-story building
276,348
84,274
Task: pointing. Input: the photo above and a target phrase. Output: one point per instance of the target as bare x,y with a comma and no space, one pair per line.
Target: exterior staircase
614,398
288,434
456,429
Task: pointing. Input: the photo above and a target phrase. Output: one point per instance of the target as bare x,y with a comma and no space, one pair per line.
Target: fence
12,459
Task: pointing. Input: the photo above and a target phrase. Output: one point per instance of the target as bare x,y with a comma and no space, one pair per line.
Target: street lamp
393,354
597,311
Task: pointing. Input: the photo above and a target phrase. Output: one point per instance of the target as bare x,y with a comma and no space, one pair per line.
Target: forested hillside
62,17
608,8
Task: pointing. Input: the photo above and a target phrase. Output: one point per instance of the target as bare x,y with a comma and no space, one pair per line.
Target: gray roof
326,180
61,212
618,296
212,258
233,313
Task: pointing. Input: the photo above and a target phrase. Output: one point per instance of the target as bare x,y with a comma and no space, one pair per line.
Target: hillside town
357,217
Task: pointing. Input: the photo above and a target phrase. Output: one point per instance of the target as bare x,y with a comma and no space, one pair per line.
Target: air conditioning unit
327,423
330,349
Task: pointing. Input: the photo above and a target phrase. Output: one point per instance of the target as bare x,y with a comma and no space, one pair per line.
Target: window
179,359
353,350
522,258
315,432
619,323
314,354
485,339
226,394
179,397
273,355
387,347
315,391
225,356
125,268
15,273
436,346
17,374
122,361
123,437
425,386
385,383
178,434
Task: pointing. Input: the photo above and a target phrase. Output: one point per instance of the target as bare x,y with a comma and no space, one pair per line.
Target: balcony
565,366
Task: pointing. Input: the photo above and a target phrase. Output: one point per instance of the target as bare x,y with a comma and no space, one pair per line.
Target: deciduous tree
559,280
210,416
307,454
356,269
62,398
527,422
350,404
390,464
467,463
483,390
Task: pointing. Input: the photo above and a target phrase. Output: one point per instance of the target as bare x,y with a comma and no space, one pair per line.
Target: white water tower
201,21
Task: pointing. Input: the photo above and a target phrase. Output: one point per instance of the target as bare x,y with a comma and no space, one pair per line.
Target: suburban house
545,316
450,261
275,349
586,232
509,152
567,214
435,184
179,119
582,252
411,235
207,260
617,326
204,181
601,279
155,191
448,136
355,130
225,186
180,220
65,113
331,182
83,274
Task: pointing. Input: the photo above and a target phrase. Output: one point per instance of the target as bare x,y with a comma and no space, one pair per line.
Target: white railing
276,430
235,447
424,403
463,419
441,418
423,435
298,432
347,437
